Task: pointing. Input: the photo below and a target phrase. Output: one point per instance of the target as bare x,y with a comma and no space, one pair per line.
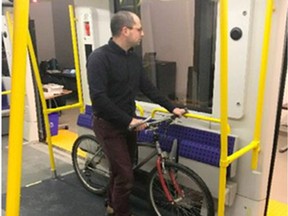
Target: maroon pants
119,147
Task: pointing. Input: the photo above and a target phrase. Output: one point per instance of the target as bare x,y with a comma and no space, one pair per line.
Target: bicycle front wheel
190,195
90,164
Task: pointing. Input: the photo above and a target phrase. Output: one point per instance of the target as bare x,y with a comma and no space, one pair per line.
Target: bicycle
174,189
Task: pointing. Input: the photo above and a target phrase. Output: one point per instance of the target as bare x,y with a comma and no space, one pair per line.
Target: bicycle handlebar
154,123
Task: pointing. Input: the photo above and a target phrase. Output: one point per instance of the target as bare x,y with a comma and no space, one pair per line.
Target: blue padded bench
86,119
200,145
195,144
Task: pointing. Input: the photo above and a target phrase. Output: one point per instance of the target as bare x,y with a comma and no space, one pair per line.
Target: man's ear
125,30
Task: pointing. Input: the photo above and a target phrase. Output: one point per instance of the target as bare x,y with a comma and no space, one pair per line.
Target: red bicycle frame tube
162,181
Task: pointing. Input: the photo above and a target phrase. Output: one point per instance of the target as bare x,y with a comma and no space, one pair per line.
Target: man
115,74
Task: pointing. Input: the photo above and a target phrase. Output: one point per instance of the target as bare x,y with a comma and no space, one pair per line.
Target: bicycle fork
160,169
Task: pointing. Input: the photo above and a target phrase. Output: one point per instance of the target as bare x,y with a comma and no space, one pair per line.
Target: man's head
126,28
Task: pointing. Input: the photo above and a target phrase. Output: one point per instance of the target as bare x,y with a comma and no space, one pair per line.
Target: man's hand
136,121
179,112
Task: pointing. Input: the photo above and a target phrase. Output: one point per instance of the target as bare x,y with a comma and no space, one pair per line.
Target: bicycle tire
197,200
90,164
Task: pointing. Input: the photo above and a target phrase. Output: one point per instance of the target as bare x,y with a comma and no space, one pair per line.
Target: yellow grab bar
158,110
190,115
19,61
76,57
242,151
223,104
43,103
66,107
6,92
262,80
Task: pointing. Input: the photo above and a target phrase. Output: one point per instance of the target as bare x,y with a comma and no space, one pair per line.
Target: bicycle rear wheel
90,164
194,198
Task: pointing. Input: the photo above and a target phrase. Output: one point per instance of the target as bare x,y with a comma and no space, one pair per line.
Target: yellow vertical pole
262,80
76,56
19,58
223,103
43,104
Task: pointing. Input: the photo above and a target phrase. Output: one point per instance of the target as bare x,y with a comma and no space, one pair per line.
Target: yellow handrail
262,80
6,92
154,111
223,103
76,57
190,115
43,103
19,60
242,151
66,107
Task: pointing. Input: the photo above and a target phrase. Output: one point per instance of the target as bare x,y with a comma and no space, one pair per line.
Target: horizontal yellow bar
158,110
191,115
242,151
205,118
71,106
6,92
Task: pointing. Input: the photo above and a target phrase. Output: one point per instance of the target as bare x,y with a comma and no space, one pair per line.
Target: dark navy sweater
115,77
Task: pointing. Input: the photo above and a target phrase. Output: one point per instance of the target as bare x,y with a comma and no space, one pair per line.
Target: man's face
135,33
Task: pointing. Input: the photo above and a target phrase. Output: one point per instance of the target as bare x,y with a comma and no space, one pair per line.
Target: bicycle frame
160,164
